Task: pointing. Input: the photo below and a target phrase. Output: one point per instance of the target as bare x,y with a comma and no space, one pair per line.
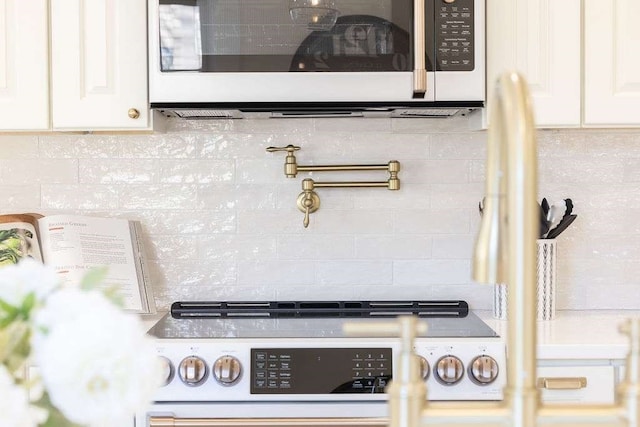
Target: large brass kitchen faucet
505,252
309,201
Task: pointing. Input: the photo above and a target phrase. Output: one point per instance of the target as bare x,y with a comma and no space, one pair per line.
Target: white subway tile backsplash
39,171
243,197
158,196
315,247
452,196
276,273
431,221
453,247
19,197
166,248
220,219
432,272
458,146
18,147
376,125
351,221
259,171
442,171
354,272
317,293
394,247
78,196
410,196
80,146
236,247
195,171
122,171
388,146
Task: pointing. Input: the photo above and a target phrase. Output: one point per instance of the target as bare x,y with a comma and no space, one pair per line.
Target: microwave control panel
454,35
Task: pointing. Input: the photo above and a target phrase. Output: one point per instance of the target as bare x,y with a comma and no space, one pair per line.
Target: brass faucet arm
351,184
291,166
338,168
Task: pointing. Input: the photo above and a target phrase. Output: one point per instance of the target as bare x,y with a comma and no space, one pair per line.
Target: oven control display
320,370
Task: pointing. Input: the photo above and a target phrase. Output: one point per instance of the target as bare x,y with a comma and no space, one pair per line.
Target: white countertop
577,334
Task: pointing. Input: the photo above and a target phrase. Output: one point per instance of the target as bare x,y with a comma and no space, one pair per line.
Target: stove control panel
305,370
320,370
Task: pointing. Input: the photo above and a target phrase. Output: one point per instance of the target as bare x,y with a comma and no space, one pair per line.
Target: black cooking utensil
566,222
569,204
544,223
545,206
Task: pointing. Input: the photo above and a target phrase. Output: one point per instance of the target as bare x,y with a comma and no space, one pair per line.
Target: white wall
221,221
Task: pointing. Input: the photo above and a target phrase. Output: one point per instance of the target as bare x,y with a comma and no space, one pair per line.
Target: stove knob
192,371
167,370
227,370
449,370
424,368
483,370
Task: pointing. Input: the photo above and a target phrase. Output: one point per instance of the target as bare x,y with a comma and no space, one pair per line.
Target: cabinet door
541,40
577,384
612,62
24,67
99,64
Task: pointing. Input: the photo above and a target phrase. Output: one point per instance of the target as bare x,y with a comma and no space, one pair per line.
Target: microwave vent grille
428,112
202,114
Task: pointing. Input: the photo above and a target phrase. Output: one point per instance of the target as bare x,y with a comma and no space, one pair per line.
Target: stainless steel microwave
230,58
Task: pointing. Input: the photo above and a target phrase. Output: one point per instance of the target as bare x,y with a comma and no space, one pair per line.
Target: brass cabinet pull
169,421
562,383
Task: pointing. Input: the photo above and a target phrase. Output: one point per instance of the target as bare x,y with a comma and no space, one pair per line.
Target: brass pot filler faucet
308,201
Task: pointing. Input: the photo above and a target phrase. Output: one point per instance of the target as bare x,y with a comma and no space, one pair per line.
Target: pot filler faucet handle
308,200
290,164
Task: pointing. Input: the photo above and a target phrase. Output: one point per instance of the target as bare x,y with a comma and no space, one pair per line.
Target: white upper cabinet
540,39
73,65
24,71
612,62
580,57
99,64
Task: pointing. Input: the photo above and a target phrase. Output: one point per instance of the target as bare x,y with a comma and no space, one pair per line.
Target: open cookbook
73,244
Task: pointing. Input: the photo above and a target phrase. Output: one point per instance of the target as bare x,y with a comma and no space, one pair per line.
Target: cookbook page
73,244
18,238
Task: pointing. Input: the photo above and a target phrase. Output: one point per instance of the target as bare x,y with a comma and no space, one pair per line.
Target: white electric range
231,361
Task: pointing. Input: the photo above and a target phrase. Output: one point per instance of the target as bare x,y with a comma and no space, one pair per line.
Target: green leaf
27,305
7,313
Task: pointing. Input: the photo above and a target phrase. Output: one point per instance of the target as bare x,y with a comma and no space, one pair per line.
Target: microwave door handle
419,51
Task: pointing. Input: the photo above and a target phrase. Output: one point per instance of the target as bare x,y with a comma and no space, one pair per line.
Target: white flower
95,360
28,276
15,408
